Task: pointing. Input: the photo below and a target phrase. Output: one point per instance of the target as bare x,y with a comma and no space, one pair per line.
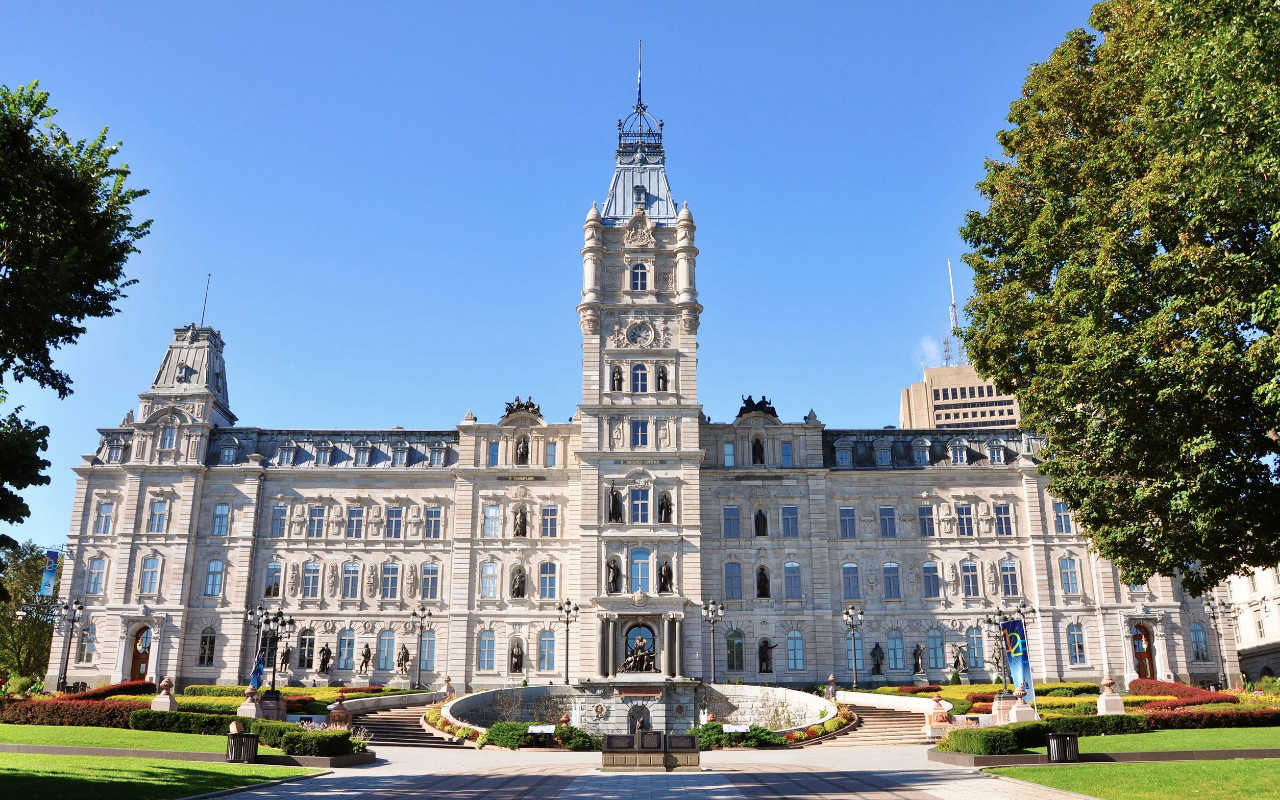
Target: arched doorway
1143,658
141,655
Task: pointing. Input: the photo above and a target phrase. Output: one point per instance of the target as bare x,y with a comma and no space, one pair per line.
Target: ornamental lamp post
273,624
713,612
853,618
69,616
1219,612
993,624
567,612
420,617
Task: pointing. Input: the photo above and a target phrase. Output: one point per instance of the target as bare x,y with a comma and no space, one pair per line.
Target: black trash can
1064,748
242,748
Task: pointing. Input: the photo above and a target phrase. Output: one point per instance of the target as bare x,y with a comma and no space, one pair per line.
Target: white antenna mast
950,356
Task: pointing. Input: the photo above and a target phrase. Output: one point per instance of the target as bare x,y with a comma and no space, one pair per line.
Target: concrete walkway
870,773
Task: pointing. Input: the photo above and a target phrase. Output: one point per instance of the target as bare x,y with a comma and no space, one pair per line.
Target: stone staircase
400,727
882,726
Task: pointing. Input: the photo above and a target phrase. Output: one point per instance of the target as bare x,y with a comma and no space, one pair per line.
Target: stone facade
1256,598
639,510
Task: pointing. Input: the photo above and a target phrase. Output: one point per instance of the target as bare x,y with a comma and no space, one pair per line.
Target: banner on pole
48,583
1015,648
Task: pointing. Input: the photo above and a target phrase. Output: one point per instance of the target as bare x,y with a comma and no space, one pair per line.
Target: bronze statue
757,451
522,450
762,582
517,582
614,580
527,406
877,659
366,655
615,505
325,656
662,378
664,508
664,578
615,381
521,527
917,657
640,658
960,658
286,655
517,657
402,660
765,654
763,406
762,524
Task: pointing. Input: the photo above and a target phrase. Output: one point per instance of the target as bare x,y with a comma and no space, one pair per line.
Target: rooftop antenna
208,277
950,356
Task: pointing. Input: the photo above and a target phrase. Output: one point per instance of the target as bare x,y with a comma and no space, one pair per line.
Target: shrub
510,735
814,731
128,687
1029,734
980,697
316,743
1258,718
800,736
955,678
1109,724
1186,695
996,741
144,719
832,725
959,706
1062,691
271,731
980,708
929,689
576,739
89,713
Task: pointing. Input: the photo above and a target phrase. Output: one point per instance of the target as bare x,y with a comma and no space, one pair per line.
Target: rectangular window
279,516
732,580
221,516
350,580
102,523
168,438
399,456
390,581
427,652
322,456
733,652
964,519
271,586
790,522
1070,580
547,582
849,576
786,454
896,660
892,589
430,581
97,568
213,579
311,580
639,434
996,452
355,523
888,522
795,651
932,580
551,454
1075,644
969,578
492,521
732,529
484,658
1004,519
395,522
791,581
844,457
432,530
639,505
156,520
1061,518
1009,578
921,456
848,523
639,570
959,453
926,520
550,520
362,456
493,454
884,457
315,522
150,576
728,454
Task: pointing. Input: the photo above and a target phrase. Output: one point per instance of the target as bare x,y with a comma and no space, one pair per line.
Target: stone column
602,661
669,648
609,645
678,666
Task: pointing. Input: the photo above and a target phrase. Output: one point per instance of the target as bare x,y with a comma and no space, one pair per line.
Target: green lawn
69,736
1203,780
1208,739
41,777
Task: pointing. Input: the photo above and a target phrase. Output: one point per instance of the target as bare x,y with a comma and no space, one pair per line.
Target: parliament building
638,511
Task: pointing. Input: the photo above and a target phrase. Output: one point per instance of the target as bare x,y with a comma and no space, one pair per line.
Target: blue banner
1015,649
49,582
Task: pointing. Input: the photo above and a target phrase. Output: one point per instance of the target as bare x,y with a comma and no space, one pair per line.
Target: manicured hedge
89,713
128,687
1258,718
1005,739
930,689
711,735
316,743
1109,724
510,735
994,741
1029,734
271,731
1187,695
207,690
145,719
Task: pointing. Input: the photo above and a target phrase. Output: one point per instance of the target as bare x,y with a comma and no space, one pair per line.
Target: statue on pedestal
326,655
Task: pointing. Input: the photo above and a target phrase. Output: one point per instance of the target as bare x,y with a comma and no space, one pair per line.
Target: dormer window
228,451
115,450
959,451
995,452
400,454
168,437
884,453
362,454
437,454
324,453
920,452
285,454
844,453
639,278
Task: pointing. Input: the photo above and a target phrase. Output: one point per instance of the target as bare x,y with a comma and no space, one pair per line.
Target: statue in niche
877,659
517,582
522,451
662,378
757,451
665,578
762,523
286,656
521,527
765,654
366,655
917,658
326,655
664,509
517,657
615,381
762,582
615,505
614,579
402,660
640,658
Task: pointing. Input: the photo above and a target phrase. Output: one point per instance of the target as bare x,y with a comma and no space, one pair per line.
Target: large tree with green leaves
1127,278
26,618
66,230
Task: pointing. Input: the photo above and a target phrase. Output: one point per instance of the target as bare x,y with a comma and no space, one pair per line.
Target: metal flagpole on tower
639,72
205,304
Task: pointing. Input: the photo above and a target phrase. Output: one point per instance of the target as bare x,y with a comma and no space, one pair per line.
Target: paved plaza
873,773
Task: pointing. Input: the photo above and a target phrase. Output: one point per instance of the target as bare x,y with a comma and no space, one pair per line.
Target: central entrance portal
141,653
1143,659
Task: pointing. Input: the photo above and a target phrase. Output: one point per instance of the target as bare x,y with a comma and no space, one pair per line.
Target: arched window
639,569
94,579
795,650
639,379
976,656
387,650
733,651
849,577
306,648
430,581
213,579
484,652
892,589
547,651
1075,643
346,650
208,639
897,659
639,278
88,643
390,581
1199,642
937,656
547,581
853,650
427,652
489,580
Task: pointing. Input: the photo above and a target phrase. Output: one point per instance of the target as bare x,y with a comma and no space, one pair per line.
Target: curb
263,785
1039,786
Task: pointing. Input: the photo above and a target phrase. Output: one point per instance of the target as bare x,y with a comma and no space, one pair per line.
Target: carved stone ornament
293,580
589,320
331,582
639,232
370,582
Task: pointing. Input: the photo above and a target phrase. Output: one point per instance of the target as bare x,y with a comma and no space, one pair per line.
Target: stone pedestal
272,705
360,680
1021,711
964,679
321,680
921,679
399,682
165,701
1001,707
1109,702
250,707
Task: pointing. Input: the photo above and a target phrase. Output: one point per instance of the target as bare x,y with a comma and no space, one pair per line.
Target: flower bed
1184,695
125,688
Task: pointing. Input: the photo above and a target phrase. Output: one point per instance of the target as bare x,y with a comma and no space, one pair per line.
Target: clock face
640,334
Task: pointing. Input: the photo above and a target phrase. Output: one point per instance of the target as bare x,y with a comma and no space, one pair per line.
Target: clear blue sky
390,196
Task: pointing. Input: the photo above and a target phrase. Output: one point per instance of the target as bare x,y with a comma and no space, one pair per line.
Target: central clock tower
639,509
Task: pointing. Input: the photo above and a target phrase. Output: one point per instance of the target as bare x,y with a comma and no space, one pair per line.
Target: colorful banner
49,583
1015,648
